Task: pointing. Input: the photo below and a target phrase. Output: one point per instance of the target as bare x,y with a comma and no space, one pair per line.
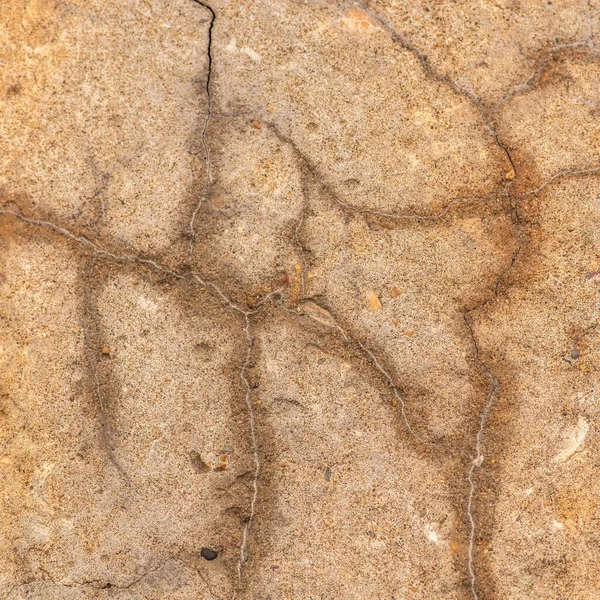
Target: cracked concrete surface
309,286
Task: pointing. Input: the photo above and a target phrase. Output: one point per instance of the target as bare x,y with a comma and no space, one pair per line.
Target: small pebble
575,353
395,292
105,350
256,125
208,554
221,464
373,300
199,465
328,473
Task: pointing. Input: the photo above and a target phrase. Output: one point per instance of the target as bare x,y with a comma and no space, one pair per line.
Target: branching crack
309,168
350,209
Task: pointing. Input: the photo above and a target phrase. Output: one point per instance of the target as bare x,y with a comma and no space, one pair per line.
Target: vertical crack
207,157
248,398
478,459
243,375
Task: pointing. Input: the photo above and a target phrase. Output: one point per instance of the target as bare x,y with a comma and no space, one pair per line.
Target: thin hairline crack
100,252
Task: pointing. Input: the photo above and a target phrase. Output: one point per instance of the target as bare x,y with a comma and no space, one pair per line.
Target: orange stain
356,20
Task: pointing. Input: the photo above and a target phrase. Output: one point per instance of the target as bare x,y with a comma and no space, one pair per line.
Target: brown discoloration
355,241
548,293
558,110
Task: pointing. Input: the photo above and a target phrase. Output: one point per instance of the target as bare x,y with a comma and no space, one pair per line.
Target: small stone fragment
395,292
575,352
105,350
573,439
208,554
314,311
256,125
221,463
198,463
510,175
373,300
328,473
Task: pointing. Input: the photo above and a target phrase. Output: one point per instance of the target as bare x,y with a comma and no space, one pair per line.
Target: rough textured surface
299,300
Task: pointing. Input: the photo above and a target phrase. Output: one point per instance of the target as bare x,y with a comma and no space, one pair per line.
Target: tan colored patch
356,20
373,301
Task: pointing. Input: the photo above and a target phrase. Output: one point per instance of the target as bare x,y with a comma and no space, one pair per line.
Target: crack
494,386
243,375
325,317
96,583
297,231
479,457
492,396
401,39
350,209
531,82
94,247
431,71
560,175
257,466
207,156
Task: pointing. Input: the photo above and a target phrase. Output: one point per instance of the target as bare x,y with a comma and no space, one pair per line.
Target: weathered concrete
299,300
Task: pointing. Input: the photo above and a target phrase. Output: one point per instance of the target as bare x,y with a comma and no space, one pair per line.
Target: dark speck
208,554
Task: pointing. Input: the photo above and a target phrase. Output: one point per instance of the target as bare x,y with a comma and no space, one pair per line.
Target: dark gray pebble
208,553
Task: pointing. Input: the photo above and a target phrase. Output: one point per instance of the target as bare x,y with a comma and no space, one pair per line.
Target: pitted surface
298,300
